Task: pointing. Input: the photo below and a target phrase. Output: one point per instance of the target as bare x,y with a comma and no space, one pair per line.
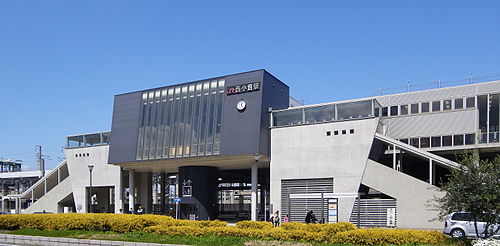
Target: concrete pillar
131,189
45,187
58,175
119,194
394,156
144,194
254,191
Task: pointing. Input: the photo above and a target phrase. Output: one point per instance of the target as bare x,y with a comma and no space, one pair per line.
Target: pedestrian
131,211
276,220
311,218
285,219
140,210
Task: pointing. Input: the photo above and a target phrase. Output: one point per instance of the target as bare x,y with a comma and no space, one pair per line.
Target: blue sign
177,199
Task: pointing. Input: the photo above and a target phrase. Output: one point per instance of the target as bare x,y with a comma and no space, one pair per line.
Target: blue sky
61,62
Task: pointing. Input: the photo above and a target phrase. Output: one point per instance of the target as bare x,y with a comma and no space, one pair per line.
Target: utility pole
41,162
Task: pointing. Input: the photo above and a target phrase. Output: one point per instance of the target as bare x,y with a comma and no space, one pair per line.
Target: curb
62,241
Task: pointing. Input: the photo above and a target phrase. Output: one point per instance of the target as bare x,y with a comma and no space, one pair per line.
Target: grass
186,240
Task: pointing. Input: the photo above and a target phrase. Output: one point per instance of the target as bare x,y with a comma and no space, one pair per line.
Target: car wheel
457,233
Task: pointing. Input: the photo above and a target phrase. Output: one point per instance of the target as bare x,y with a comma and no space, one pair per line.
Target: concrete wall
306,152
103,174
412,195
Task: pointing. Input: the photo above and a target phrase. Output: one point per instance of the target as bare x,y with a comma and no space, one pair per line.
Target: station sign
243,88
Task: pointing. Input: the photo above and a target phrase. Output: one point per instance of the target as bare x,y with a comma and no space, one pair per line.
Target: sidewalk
53,241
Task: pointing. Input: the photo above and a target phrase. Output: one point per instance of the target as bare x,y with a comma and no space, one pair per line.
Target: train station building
238,147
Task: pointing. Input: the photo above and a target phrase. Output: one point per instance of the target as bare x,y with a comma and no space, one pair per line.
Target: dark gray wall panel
240,130
275,95
125,127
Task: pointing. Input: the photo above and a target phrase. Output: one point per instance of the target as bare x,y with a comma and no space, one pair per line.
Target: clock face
241,105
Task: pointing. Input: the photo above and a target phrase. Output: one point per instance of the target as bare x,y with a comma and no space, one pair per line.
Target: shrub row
98,222
342,232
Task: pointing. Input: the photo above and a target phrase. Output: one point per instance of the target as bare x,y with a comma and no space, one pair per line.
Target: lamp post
90,191
254,178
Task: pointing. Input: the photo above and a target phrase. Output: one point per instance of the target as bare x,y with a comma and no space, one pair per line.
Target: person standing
311,218
286,219
276,218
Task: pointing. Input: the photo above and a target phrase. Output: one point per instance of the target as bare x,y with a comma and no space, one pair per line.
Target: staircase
49,190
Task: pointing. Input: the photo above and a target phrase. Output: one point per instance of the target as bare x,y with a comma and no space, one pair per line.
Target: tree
473,187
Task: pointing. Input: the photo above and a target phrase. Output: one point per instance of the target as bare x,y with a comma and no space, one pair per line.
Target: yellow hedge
377,236
341,233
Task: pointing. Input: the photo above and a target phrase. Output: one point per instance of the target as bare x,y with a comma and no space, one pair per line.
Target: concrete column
32,196
394,156
119,194
254,191
45,187
58,175
131,185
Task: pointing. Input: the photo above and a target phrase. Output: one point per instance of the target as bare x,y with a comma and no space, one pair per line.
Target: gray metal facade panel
297,208
372,212
124,128
433,124
492,87
427,96
240,130
276,96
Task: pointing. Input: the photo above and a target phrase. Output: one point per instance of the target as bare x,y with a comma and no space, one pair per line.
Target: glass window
336,133
436,142
196,119
344,132
394,110
459,103
168,122
447,140
354,110
436,106
425,142
414,142
105,137
203,119
174,123
351,131
288,117
425,107
75,141
211,117
458,140
220,96
414,108
404,140
447,105
404,109
319,114
470,139
188,124
384,111
470,102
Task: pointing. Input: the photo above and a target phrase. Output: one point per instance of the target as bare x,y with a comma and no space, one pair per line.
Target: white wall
306,152
103,173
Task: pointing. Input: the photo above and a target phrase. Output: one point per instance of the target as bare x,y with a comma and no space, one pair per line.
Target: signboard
177,199
243,88
333,210
187,189
391,217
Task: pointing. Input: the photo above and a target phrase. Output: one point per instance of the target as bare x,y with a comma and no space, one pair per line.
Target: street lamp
90,195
